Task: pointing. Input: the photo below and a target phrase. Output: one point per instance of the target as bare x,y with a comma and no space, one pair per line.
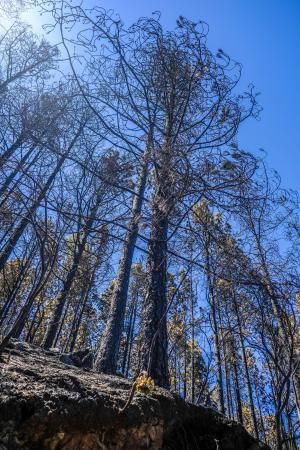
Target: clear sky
264,35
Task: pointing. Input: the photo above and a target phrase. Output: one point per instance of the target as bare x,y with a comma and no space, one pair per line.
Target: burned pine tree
198,113
171,89
129,153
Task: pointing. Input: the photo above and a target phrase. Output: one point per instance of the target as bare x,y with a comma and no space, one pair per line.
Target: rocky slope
47,404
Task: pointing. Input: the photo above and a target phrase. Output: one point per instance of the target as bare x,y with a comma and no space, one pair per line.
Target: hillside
46,404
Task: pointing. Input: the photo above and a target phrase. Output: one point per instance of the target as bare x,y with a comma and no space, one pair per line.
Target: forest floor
46,404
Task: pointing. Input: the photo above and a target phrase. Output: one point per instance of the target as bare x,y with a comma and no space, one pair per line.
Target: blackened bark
221,404
77,320
107,356
215,328
62,298
15,172
246,369
154,342
285,331
10,150
13,295
129,335
296,384
154,349
237,392
19,323
55,322
13,240
35,324
10,245
131,341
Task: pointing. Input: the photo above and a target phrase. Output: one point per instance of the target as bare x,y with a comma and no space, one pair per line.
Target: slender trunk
217,344
107,355
296,385
30,338
277,310
77,323
261,417
55,322
291,444
13,240
228,390
233,362
238,393
33,325
10,151
14,172
74,327
285,332
18,323
81,305
44,276
128,334
215,329
61,324
221,403
23,314
13,294
246,369
131,338
175,370
278,430
193,341
184,373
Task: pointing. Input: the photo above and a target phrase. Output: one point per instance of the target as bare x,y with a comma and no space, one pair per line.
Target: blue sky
264,35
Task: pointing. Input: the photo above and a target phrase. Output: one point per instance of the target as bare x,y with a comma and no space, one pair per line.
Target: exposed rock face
46,404
82,358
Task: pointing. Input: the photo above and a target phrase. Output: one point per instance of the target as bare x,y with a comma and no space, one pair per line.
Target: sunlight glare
34,19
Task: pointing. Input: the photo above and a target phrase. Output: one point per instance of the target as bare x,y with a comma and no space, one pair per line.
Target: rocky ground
48,404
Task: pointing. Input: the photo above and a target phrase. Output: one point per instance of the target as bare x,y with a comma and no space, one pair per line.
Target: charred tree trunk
10,150
193,344
35,323
77,320
13,240
217,344
4,312
52,331
23,314
129,334
154,342
16,171
55,323
246,369
131,340
107,357
154,349
237,392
